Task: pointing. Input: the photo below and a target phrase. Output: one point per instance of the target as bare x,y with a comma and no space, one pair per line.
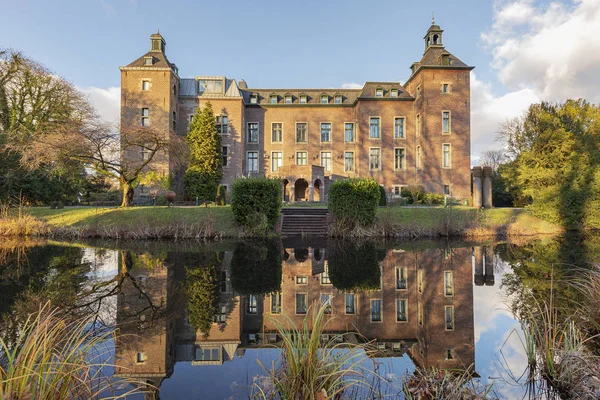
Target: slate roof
160,60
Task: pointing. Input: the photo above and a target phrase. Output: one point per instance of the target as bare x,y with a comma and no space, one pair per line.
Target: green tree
201,290
205,163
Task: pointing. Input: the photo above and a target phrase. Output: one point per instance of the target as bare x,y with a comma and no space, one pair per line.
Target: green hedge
355,268
256,202
418,195
354,201
199,184
256,268
382,197
221,193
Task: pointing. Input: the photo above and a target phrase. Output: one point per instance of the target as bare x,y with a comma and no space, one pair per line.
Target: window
208,354
276,160
378,92
374,159
288,99
301,280
338,99
303,99
301,305
399,159
349,132
225,155
252,304
223,282
276,303
210,85
276,132
446,122
222,122
401,314
174,121
420,313
325,274
148,61
376,310
325,132
397,190
445,59
145,85
374,128
273,99
349,161
221,315
446,156
141,357
420,280
301,129
350,303
301,158
145,154
401,273
252,132
326,160
326,301
418,157
447,189
254,98
394,93
419,91
399,128
449,311
324,99
449,354
145,117
252,161
418,124
445,88
448,283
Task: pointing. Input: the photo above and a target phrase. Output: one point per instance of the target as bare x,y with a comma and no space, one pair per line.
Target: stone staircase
304,221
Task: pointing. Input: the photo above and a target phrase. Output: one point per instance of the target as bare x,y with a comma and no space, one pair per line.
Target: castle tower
440,85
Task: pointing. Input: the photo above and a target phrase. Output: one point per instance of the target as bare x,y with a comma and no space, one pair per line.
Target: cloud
352,85
106,101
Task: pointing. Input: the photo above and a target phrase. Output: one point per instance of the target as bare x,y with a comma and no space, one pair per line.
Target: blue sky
523,50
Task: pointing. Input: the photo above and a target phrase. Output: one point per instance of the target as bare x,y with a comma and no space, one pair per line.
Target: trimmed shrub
355,268
256,202
414,194
432,198
354,201
256,268
198,184
382,197
221,193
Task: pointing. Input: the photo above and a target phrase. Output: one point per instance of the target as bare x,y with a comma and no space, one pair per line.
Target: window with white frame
221,315
399,128
420,282
225,155
324,99
276,303
325,280
418,157
448,283
252,161
273,99
401,310
378,92
252,132
326,302
288,99
376,310
449,317
446,122
148,61
418,124
301,158
399,158
397,190
349,161
301,280
276,160
445,88
145,85
303,99
141,357
145,154
374,128
325,132
301,303
349,132
276,132
394,93
446,155
338,99
401,278
252,304
145,117
326,160
210,85
301,132
253,98
374,158
208,354
222,122
350,303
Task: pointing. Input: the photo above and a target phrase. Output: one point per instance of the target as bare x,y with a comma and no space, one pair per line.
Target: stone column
489,265
292,192
311,192
477,186
487,187
478,261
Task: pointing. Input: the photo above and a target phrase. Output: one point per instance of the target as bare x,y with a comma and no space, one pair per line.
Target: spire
432,18
433,37
157,42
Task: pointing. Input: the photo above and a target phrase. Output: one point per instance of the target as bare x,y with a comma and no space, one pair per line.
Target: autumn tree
205,163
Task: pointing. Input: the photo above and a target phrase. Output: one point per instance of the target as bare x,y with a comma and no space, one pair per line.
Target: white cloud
352,85
106,101
540,52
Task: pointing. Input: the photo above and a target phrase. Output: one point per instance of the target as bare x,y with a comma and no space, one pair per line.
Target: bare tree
492,158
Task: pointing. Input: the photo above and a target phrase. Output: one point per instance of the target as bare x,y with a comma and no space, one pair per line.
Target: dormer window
324,99
148,61
338,99
210,85
394,93
288,99
254,98
419,91
273,99
303,99
445,59
379,93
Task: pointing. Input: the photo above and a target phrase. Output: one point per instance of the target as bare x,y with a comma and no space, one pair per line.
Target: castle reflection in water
422,306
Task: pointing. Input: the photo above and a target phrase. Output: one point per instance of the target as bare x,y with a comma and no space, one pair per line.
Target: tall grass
56,358
18,222
436,383
310,369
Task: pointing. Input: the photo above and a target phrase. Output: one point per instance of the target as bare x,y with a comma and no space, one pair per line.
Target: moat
442,304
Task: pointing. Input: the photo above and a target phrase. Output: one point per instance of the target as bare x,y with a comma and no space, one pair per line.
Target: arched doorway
286,195
300,189
317,190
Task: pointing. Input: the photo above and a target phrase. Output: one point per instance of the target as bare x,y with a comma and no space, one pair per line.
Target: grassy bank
217,222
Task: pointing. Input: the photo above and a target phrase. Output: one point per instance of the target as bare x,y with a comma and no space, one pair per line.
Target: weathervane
432,18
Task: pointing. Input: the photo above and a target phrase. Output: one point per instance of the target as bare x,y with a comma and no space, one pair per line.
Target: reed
436,383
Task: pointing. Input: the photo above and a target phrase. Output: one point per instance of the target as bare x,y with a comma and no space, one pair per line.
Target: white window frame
403,127
286,98
146,85
305,303
453,321
449,164
354,299
273,161
273,97
248,170
353,161
448,283
379,92
300,279
420,281
378,161
248,132
378,127
371,300
330,161
418,158
305,133
449,131
148,61
219,122
324,97
280,303
223,156
248,312
353,132
145,118
447,85
272,125
403,166
303,99
399,190
254,98
449,189
397,271
405,310
394,92
330,132
338,97
305,158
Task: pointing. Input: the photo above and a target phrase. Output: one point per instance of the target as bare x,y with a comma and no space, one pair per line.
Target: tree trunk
127,195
